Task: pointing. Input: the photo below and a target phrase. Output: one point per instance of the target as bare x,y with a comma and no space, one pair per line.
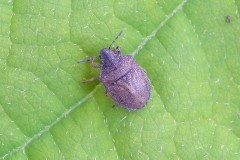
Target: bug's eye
99,56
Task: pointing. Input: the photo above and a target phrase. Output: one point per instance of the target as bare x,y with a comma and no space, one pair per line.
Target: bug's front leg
106,92
90,80
93,61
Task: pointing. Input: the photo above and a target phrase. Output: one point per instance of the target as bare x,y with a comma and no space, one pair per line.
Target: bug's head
109,57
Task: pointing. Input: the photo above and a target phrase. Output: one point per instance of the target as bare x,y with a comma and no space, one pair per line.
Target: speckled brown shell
124,79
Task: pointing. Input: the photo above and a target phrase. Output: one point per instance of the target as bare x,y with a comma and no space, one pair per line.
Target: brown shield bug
123,78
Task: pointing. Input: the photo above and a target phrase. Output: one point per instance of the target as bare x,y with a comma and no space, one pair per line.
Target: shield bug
125,81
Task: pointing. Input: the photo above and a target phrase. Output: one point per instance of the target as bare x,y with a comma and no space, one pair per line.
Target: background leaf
189,50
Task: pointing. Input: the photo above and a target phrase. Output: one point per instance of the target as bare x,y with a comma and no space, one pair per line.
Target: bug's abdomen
131,90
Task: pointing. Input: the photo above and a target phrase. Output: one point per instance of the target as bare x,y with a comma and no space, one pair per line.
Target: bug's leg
90,80
87,59
106,92
94,64
93,61
115,105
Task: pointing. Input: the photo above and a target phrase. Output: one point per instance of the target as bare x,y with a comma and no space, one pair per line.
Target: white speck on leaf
123,118
217,81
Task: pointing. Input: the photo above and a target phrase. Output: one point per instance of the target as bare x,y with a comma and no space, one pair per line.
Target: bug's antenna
119,34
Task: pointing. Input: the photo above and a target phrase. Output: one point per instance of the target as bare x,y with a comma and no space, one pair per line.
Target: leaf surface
188,49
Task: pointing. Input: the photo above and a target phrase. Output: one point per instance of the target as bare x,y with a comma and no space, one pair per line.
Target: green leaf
190,53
